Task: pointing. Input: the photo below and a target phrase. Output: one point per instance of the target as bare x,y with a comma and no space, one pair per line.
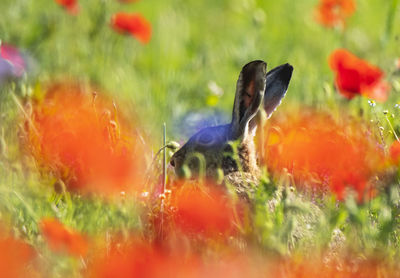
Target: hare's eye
205,139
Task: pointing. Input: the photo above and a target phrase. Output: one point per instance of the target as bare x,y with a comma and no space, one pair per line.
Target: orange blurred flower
15,258
70,5
321,152
134,24
203,209
90,148
139,259
347,268
62,239
394,152
332,13
355,76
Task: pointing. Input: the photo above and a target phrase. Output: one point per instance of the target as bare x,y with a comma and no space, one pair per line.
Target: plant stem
27,117
164,179
164,158
391,127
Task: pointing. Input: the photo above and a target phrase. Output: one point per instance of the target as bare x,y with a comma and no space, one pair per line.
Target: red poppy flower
62,239
70,5
79,139
323,153
203,210
333,13
134,24
15,257
355,76
139,259
14,57
394,152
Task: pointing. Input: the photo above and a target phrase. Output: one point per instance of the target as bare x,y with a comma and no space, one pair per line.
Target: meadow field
87,86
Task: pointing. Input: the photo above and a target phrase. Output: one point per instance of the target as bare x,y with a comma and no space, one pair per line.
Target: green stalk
27,117
391,127
164,179
164,182
389,21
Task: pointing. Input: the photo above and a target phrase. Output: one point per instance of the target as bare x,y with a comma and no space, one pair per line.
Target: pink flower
14,57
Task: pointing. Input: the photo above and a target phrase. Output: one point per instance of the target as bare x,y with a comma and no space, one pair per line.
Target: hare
254,87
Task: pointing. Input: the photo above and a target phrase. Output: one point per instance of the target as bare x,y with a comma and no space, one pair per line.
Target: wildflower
322,153
133,24
62,239
136,258
79,140
355,76
145,194
70,5
6,70
139,259
12,63
14,56
215,89
203,210
394,152
332,13
15,258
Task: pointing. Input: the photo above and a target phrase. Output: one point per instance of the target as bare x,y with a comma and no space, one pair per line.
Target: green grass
194,43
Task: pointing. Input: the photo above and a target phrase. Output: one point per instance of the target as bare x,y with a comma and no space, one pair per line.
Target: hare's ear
277,84
250,90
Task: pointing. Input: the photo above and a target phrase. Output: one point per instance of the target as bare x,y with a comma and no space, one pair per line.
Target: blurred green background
195,45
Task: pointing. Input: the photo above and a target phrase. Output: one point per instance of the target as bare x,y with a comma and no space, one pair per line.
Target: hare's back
243,183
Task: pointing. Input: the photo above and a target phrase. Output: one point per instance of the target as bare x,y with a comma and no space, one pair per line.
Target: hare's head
211,148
